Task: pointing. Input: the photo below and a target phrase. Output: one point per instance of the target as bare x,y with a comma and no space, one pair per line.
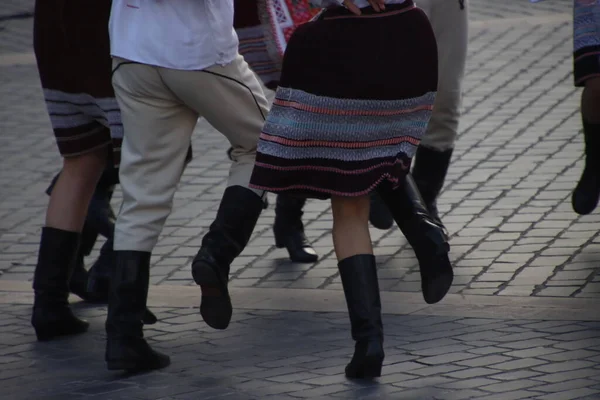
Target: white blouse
359,3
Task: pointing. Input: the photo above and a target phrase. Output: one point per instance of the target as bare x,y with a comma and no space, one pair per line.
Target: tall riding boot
586,194
429,171
426,238
100,275
126,348
379,215
56,259
226,239
289,229
361,288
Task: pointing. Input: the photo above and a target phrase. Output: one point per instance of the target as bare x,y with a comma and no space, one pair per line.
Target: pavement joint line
327,300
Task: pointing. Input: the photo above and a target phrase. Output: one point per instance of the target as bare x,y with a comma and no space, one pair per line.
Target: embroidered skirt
72,49
354,100
586,35
263,28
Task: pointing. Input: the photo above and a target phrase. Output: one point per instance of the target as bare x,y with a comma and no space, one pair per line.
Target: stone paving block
518,364
513,395
564,366
570,395
513,385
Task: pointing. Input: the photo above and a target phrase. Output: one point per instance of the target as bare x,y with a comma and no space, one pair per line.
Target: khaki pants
450,25
160,108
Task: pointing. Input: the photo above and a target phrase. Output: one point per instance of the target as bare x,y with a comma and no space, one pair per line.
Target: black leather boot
426,238
429,171
99,280
586,194
289,229
52,316
361,288
379,215
126,348
226,239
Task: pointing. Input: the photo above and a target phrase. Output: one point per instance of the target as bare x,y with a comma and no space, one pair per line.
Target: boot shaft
409,211
591,134
128,293
429,171
56,262
232,228
361,289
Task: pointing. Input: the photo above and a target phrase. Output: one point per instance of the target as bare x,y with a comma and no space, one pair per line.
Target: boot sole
132,366
47,334
215,305
302,259
371,368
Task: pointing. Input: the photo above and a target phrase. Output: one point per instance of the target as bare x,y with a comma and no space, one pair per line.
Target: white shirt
359,3
176,34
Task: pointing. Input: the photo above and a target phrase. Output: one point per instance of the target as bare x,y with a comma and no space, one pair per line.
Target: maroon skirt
72,49
354,100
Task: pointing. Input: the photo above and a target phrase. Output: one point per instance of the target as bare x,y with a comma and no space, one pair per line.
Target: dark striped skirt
586,37
72,49
252,35
354,100
263,28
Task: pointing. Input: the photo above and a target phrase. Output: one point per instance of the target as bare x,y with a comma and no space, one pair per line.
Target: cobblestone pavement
301,355
506,202
514,239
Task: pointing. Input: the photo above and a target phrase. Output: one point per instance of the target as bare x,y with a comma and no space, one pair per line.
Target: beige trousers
160,108
450,25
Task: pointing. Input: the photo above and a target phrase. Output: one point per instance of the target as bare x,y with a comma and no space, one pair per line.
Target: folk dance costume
172,63
71,46
351,109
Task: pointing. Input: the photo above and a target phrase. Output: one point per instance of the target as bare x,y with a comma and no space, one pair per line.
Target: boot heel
372,367
367,361
279,244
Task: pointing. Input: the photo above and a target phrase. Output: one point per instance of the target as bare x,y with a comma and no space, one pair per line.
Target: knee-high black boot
56,259
226,239
126,348
289,229
100,276
425,237
429,171
361,288
586,194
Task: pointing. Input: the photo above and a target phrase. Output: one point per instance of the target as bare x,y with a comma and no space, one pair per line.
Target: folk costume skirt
586,36
72,49
263,28
355,96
